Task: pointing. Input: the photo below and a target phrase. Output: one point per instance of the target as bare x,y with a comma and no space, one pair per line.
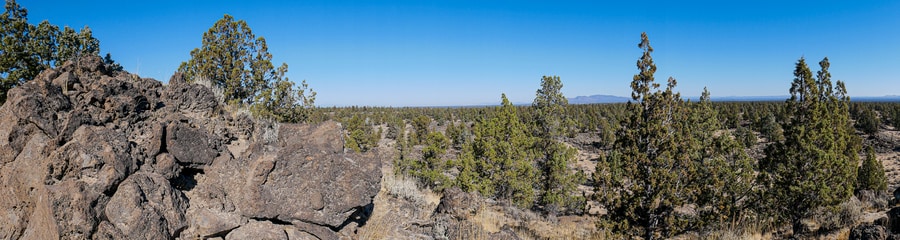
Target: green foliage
560,185
26,50
395,127
771,130
647,167
360,136
871,174
499,163
815,166
430,169
866,120
433,167
459,135
745,136
285,103
895,118
111,64
724,171
234,59
420,127
549,106
74,44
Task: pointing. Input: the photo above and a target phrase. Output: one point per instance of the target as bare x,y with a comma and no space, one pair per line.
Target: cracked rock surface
86,153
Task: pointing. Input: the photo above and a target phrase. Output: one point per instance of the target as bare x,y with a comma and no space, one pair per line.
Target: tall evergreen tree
646,174
724,171
560,184
815,165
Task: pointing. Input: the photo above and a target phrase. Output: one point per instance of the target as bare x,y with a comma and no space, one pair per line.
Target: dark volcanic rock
894,220
191,146
868,232
91,154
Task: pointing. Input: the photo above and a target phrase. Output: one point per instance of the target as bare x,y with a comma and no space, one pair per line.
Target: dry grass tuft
404,188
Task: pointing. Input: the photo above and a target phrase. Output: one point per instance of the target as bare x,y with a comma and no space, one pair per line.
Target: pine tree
644,175
560,184
871,174
815,165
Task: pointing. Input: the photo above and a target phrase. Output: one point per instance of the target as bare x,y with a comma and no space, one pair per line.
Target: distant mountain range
617,99
597,99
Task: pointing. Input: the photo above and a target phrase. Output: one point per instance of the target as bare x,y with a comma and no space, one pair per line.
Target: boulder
191,146
96,155
278,186
182,96
206,222
146,206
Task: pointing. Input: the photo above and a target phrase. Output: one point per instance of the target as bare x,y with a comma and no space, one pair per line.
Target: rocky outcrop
86,153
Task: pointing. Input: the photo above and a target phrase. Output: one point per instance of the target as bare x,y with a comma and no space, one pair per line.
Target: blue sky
438,53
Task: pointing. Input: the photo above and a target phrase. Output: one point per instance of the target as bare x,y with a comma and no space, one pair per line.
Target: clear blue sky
427,53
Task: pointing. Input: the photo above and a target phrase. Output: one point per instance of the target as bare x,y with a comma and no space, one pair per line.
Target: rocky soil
86,153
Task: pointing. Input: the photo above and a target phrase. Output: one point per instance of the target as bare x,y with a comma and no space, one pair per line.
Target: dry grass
847,214
406,188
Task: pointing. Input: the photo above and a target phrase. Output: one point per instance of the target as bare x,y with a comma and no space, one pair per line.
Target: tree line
669,165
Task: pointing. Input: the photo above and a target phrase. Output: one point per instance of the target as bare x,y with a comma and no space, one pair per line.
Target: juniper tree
815,165
871,173
458,134
560,184
16,66
895,118
724,178
420,126
234,59
498,162
866,120
432,166
644,175
26,50
360,136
